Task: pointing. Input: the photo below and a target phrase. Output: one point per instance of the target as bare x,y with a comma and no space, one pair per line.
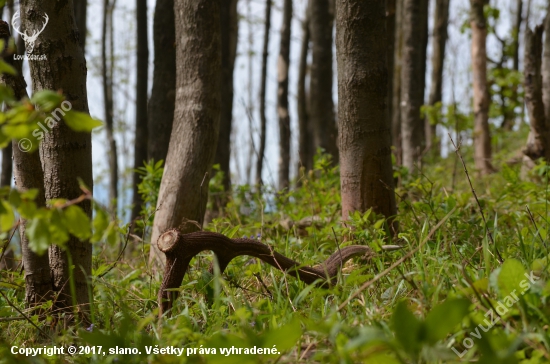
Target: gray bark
196,119
282,98
306,148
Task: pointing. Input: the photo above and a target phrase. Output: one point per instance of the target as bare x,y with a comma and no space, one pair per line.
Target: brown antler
181,248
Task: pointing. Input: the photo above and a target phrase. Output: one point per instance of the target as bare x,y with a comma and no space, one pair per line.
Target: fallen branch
181,248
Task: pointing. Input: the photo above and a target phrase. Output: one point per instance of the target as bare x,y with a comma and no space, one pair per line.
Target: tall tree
28,174
364,132
395,101
439,40
66,154
7,166
229,33
140,143
415,35
282,97
391,41
107,66
182,196
81,15
539,136
263,79
305,145
482,133
321,105
163,93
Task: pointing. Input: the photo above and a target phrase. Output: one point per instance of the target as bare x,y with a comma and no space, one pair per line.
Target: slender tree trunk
441,20
140,143
7,166
509,115
321,105
415,28
390,57
282,98
66,154
28,174
263,77
80,13
546,67
163,94
229,33
537,142
395,102
305,144
107,71
182,197
482,134
365,135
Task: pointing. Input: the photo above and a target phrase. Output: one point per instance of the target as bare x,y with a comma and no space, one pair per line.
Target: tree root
181,248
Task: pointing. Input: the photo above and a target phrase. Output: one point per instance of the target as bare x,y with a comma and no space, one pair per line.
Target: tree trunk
321,105
395,102
482,134
509,115
441,20
7,166
182,199
163,94
305,144
364,132
517,30
282,98
140,143
537,141
107,75
546,68
28,174
66,154
390,32
415,29
80,14
263,77
229,33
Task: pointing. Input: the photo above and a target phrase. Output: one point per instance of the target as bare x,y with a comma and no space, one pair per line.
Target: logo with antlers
29,39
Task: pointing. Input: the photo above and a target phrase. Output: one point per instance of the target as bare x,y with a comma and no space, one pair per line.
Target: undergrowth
428,309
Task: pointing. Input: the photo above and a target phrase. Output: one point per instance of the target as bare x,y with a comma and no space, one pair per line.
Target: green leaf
6,68
285,337
47,100
7,218
79,121
408,329
444,318
38,233
77,222
511,276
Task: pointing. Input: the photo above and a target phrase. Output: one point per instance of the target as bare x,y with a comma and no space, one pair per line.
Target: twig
44,333
119,254
487,231
259,278
397,263
535,224
284,277
339,251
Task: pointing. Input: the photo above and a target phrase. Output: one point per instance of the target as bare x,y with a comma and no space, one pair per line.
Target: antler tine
16,16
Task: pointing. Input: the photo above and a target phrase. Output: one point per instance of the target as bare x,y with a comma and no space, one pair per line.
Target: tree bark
441,20
509,116
263,77
140,143
107,75
229,33
66,154
517,30
321,105
7,166
415,30
482,133
546,67
80,14
395,102
196,119
163,94
364,132
282,98
305,144
390,32
537,141
28,174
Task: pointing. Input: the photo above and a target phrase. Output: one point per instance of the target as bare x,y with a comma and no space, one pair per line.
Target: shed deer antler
29,39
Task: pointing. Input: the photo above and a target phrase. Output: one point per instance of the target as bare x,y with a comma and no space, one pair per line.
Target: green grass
414,314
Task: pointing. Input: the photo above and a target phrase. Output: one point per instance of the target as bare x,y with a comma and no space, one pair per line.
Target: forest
275,181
